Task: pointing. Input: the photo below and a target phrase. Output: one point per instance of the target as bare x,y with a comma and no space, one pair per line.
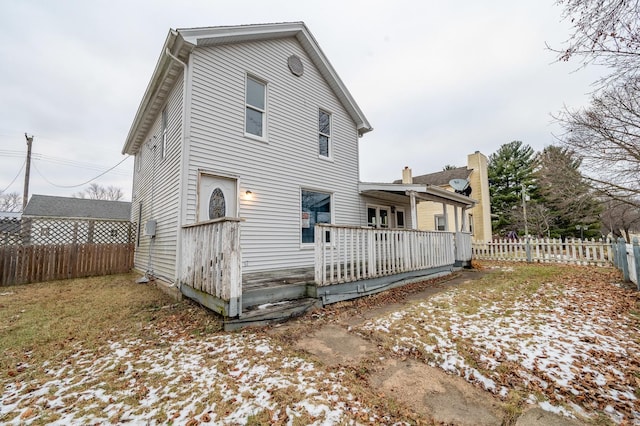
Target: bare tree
98,192
10,202
620,219
605,32
606,136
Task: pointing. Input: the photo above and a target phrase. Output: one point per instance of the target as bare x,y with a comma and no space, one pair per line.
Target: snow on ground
570,348
221,379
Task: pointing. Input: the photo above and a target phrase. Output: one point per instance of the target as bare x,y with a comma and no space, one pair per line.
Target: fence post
624,264
636,260
616,257
528,249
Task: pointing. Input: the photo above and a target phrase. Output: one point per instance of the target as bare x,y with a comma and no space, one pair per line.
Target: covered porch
350,262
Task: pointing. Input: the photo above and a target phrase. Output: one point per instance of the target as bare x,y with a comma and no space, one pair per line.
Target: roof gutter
154,84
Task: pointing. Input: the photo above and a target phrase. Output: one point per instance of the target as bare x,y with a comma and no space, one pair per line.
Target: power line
58,160
15,177
81,184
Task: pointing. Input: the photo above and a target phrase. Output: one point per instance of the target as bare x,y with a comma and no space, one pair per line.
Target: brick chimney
406,175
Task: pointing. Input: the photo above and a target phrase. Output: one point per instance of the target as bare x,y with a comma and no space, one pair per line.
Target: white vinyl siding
163,177
273,172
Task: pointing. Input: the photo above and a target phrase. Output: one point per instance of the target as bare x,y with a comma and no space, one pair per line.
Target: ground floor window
315,208
440,222
378,216
400,218
471,224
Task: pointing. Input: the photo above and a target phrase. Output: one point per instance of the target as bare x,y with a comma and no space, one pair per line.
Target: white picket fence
545,250
626,257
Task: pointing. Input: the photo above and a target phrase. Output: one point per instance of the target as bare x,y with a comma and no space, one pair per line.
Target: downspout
183,162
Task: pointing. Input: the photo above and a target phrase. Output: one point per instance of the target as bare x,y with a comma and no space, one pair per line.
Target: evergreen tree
566,194
510,173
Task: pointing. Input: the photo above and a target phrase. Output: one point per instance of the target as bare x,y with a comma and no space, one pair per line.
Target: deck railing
212,261
344,254
463,247
545,250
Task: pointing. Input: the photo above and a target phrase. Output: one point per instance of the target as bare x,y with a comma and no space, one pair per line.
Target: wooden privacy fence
21,264
344,253
38,249
545,250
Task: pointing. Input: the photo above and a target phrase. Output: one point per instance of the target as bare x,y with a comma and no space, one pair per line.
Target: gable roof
67,207
441,178
181,42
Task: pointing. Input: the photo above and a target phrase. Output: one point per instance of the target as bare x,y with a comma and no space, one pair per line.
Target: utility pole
524,211
25,196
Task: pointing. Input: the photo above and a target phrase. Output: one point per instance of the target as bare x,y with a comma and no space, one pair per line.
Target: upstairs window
324,134
163,142
255,108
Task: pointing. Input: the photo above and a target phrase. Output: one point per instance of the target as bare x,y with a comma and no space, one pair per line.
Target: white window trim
309,246
379,207
330,142
265,112
435,222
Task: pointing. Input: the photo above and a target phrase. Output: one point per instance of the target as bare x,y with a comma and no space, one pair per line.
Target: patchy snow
219,379
568,344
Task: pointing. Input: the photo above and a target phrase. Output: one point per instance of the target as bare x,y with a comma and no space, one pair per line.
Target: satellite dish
459,184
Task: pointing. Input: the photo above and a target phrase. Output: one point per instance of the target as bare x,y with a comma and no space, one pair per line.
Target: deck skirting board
352,290
212,302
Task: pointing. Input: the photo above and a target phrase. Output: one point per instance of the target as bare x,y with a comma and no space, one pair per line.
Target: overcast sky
437,80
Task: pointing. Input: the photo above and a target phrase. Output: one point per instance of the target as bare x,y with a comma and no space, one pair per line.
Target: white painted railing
344,253
545,250
463,247
211,259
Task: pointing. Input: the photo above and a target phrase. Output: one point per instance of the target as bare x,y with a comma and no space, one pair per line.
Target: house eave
164,76
212,36
422,192
181,42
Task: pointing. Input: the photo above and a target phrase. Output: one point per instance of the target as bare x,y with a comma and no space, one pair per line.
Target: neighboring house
61,220
476,220
9,227
245,141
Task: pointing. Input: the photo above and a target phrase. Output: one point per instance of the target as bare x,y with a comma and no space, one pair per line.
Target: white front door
217,197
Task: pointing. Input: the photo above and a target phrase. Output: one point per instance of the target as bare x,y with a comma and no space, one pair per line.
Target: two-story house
245,141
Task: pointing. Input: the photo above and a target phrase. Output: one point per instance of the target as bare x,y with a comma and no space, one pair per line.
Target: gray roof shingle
440,178
51,206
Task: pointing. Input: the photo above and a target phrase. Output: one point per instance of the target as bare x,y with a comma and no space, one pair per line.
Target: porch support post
414,210
446,218
455,219
464,220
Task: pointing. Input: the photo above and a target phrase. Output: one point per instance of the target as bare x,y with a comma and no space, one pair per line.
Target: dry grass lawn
105,349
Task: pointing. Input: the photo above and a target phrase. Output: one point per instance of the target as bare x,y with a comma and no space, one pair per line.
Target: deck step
262,295
270,313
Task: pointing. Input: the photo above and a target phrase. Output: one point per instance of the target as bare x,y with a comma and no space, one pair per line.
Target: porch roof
399,192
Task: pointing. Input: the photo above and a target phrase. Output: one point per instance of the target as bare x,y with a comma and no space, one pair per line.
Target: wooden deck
359,261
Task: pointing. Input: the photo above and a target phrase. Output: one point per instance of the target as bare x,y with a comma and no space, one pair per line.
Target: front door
217,197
